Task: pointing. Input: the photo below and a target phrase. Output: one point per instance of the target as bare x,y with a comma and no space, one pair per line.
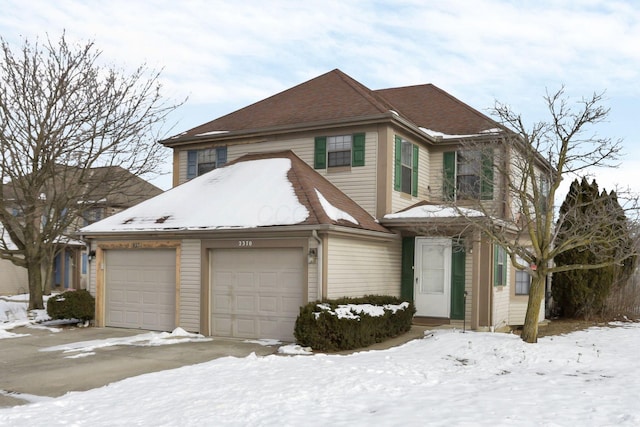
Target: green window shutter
414,172
486,183
357,151
320,153
449,175
458,258
496,279
406,273
397,176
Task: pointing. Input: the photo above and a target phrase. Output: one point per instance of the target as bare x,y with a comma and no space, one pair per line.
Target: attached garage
140,288
257,292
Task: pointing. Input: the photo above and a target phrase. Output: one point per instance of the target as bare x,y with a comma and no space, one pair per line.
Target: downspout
319,268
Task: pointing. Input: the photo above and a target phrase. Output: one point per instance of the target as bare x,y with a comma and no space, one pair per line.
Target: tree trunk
34,272
536,296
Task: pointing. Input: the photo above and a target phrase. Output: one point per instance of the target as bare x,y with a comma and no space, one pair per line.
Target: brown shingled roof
331,96
335,96
306,181
430,107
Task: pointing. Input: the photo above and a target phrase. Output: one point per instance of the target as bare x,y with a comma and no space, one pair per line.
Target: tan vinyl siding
182,166
400,200
92,265
468,286
312,274
501,302
361,267
13,279
190,265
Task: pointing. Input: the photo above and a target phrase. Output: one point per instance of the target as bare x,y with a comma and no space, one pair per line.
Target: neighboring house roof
256,190
133,192
335,97
105,186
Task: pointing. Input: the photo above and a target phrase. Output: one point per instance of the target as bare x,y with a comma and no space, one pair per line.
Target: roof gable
331,96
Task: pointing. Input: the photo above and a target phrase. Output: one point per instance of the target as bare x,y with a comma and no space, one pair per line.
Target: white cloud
226,55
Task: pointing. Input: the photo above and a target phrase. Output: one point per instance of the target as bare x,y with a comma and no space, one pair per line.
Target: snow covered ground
449,378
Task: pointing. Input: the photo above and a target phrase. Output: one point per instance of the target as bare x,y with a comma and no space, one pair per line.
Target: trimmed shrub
345,323
72,305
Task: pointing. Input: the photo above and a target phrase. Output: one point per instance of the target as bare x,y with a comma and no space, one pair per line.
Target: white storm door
432,290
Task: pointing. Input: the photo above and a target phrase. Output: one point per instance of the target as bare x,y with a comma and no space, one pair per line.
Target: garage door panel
269,305
268,282
140,289
257,292
245,304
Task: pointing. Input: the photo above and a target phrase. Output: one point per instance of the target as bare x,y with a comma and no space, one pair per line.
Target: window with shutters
339,151
406,167
468,175
202,161
499,266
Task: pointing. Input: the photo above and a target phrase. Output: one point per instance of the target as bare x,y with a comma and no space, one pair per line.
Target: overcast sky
224,55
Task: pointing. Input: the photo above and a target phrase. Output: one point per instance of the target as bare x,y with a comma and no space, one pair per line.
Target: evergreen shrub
72,305
319,327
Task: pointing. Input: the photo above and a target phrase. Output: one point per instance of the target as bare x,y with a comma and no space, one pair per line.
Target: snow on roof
247,194
334,213
433,211
213,132
436,134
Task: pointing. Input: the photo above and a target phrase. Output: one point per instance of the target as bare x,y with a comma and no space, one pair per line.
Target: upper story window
406,167
92,215
468,174
339,151
202,161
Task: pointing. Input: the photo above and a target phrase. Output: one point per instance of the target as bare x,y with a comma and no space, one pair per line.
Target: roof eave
189,233
280,129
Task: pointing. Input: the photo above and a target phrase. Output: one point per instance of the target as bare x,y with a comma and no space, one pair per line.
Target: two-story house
325,190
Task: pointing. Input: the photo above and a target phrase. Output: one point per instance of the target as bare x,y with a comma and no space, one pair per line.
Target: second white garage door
256,293
140,289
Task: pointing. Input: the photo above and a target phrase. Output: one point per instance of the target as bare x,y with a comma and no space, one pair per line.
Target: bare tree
66,122
532,162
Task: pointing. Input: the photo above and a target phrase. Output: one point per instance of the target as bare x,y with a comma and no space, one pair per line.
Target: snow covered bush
349,323
72,305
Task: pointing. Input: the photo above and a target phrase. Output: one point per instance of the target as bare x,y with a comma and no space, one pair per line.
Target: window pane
205,167
339,150
523,282
469,174
206,160
406,179
339,158
407,153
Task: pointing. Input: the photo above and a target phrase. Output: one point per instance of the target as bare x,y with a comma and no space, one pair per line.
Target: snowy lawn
449,378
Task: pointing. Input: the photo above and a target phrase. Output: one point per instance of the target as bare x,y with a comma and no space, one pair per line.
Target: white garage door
256,293
140,289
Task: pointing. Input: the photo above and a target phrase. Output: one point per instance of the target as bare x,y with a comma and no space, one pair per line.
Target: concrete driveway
24,369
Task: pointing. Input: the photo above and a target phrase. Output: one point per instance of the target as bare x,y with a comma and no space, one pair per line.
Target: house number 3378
245,243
